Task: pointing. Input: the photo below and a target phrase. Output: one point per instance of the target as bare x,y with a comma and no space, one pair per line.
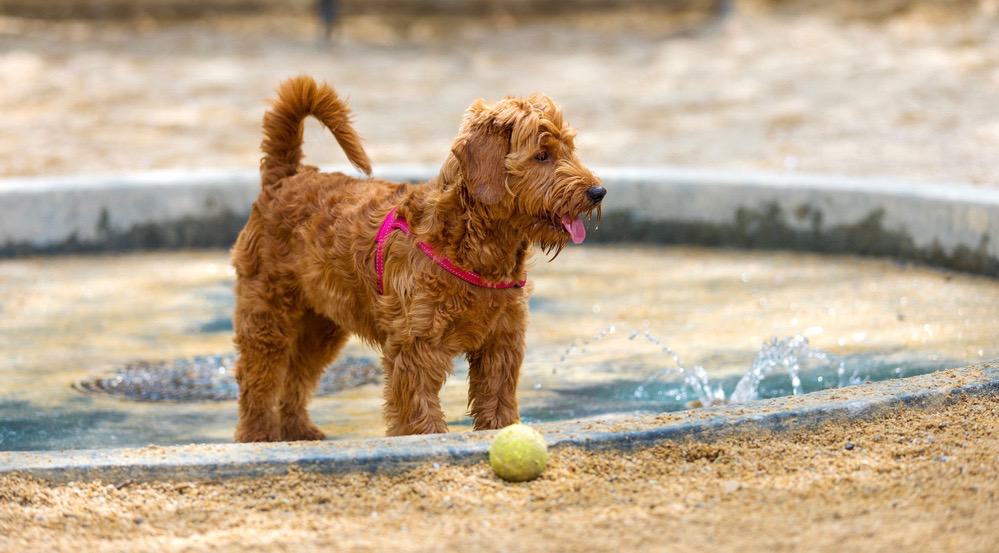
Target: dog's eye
541,156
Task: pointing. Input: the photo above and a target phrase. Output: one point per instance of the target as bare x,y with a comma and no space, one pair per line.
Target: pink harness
393,223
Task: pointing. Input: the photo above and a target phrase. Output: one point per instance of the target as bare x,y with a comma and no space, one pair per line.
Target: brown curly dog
424,272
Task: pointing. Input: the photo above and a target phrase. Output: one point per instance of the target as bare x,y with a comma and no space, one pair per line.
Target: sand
912,480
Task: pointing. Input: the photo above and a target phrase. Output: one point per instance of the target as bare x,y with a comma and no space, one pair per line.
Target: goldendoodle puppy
424,272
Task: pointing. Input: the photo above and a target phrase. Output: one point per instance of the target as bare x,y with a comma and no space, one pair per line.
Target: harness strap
394,222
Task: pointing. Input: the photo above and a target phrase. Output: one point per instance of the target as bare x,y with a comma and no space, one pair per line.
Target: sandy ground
913,480
910,96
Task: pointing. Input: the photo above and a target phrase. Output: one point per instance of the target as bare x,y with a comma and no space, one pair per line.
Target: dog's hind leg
319,341
265,346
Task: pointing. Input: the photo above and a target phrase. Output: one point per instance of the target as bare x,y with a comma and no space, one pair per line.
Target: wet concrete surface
69,319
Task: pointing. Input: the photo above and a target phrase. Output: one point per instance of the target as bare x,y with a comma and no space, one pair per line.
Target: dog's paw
302,431
247,434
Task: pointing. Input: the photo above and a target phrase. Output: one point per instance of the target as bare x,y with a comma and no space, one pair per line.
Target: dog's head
518,163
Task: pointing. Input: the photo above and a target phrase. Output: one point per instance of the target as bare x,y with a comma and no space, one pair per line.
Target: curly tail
298,98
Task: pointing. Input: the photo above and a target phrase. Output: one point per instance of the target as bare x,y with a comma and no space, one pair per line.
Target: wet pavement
69,319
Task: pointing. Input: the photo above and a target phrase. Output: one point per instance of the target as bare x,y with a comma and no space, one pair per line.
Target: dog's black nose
596,193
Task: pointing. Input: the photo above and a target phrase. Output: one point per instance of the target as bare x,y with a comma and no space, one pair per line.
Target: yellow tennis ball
518,453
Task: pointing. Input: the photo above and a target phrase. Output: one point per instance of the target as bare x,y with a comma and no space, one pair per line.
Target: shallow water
68,319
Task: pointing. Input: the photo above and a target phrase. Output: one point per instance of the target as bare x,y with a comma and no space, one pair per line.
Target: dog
424,272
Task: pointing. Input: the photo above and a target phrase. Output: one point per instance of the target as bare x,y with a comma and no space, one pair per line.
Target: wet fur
305,263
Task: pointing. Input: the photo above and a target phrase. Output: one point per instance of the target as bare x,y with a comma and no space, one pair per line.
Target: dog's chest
471,323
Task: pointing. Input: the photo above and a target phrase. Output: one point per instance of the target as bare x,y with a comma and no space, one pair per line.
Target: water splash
788,355
781,353
580,345
696,378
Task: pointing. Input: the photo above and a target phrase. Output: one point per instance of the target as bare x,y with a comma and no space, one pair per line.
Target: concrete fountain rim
417,172
952,226
621,432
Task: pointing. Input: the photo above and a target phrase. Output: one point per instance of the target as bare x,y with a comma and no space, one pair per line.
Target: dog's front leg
414,374
493,373
258,417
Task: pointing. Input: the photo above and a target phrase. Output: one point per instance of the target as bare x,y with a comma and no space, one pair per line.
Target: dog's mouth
571,225
575,228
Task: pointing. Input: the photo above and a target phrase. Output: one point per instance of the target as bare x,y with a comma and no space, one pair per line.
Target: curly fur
305,263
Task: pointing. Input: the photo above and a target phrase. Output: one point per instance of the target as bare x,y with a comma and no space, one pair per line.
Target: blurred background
900,88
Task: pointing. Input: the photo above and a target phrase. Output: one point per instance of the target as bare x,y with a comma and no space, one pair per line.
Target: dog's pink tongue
575,229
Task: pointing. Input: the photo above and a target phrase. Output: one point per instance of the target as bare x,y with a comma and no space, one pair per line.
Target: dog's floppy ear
482,154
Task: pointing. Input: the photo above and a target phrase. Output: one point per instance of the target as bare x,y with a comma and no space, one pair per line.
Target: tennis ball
518,453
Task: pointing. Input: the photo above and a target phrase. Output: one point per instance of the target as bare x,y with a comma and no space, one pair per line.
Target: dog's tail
298,98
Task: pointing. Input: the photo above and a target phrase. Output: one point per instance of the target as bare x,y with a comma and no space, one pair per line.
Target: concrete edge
417,172
947,225
616,432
